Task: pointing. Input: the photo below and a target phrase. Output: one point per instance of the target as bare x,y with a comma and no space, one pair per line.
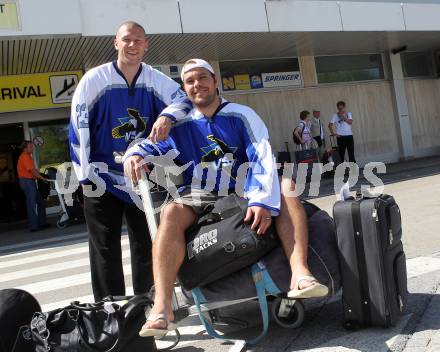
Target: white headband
195,63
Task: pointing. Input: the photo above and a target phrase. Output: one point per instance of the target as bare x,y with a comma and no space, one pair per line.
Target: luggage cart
68,213
286,312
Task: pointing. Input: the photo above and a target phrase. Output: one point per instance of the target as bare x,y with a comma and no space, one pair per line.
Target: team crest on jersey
131,127
178,94
216,152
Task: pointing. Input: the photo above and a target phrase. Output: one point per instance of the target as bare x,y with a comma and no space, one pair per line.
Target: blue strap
258,276
263,284
197,295
269,284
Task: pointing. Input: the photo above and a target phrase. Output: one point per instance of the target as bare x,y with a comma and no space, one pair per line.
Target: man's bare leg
168,255
292,230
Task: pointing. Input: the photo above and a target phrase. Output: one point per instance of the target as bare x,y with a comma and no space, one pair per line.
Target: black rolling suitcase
334,150
372,260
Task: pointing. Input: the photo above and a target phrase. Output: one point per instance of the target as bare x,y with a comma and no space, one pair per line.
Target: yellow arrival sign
37,91
9,16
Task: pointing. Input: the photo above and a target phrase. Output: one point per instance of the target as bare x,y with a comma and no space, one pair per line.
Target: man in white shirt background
340,125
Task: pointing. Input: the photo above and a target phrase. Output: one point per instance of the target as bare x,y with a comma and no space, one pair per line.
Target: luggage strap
263,284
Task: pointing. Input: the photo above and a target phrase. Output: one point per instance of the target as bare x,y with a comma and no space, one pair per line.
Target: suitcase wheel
288,313
61,224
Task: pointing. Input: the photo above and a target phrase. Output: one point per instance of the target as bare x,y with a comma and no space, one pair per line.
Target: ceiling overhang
68,53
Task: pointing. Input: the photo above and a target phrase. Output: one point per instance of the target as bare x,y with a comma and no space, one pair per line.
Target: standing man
316,128
27,175
113,105
340,125
214,141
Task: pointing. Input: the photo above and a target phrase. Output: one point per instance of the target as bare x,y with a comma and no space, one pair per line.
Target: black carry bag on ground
105,326
220,243
16,310
372,260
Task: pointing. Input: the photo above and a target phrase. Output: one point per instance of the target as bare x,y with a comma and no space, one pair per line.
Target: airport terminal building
278,56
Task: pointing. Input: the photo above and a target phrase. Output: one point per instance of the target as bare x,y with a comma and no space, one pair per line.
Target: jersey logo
178,94
131,127
218,153
82,117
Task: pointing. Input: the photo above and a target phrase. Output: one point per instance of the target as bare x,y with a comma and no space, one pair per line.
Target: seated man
219,136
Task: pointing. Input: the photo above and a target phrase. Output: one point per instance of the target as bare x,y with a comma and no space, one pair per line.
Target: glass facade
418,64
349,68
54,149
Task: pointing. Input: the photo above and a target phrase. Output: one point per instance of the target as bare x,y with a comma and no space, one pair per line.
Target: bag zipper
385,286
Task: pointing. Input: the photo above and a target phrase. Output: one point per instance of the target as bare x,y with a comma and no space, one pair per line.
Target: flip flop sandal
315,290
158,332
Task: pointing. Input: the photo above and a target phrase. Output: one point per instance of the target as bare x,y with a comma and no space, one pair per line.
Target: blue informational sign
256,82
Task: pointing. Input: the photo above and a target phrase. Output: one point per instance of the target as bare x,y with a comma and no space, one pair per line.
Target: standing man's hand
133,167
161,129
261,219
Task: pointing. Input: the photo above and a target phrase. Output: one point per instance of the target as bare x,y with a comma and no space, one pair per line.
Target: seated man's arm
172,103
175,112
140,155
262,186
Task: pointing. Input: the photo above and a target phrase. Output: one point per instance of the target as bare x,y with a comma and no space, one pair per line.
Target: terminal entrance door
12,200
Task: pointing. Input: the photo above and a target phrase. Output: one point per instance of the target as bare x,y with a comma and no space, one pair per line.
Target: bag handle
209,219
86,344
132,303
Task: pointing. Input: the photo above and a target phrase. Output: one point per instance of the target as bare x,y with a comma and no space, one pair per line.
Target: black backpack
296,140
220,243
16,310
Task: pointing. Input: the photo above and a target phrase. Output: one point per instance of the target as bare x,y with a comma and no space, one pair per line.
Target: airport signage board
281,79
9,17
37,91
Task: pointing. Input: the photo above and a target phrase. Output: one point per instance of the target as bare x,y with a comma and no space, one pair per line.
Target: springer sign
281,79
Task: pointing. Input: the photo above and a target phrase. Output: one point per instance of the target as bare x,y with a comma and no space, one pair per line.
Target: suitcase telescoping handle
333,141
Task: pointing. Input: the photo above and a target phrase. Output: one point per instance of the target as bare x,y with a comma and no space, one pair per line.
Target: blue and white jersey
107,115
227,152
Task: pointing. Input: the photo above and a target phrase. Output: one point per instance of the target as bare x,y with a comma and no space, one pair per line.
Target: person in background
316,128
340,125
302,131
27,175
317,131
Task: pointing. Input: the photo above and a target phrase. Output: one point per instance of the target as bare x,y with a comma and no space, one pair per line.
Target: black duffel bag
220,243
16,310
94,327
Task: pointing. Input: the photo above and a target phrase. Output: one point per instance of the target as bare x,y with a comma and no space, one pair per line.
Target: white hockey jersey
227,152
108,114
